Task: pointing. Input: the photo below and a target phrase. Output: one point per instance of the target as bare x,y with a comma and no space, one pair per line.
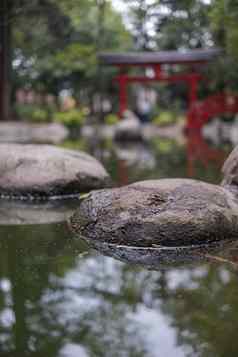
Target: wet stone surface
158,213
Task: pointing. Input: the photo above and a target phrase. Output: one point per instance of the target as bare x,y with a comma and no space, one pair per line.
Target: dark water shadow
163,257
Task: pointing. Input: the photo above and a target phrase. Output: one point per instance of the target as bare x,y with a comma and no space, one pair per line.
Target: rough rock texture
38,171
157,213
230,170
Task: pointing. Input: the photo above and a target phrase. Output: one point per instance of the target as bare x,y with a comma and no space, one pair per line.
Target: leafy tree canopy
55,42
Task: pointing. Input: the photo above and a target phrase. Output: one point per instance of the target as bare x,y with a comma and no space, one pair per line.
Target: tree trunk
5,59
101,7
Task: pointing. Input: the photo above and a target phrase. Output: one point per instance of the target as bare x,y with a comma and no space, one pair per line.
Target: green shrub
111,119
24,111
72,118
32,112
40,115
164,118
75,144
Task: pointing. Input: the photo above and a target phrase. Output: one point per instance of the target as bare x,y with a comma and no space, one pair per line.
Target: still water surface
60,298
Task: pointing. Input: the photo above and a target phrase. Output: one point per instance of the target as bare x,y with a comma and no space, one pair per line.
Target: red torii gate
157,61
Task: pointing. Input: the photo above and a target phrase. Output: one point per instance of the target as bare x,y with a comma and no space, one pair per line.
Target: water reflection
158,258
58,298
15,212
30,257
76,304
137,157
192,156
162,158
199,151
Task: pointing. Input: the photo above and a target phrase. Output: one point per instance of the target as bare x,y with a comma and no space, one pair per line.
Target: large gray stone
159,213
38,171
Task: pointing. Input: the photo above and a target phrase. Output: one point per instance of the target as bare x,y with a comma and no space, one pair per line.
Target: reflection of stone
129,128
136,154
164,213
212,131
51,133
22,213
174,131
139,133
218,131
234,131
44,171
156,258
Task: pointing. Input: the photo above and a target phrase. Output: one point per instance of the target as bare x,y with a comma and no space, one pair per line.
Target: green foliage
224,18
111,119
33,113
164,146
55,44
72,118
165,118
79,144
169,24
40,115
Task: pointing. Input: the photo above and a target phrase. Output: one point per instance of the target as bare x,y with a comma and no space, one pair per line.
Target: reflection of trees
27,258
50,297
50,307
171,159
158,158
199,302
201,156
96,305
198,160
203,308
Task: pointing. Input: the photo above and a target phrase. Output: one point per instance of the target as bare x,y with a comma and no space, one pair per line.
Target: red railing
201,112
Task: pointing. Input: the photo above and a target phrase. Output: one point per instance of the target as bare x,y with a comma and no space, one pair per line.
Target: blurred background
51,72
49,53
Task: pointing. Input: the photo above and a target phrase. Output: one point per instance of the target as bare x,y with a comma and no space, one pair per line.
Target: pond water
60,298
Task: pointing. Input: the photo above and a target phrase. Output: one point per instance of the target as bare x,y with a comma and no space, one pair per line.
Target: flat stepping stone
44,171
159,213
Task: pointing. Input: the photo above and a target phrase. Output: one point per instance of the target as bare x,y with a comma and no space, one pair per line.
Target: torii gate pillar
122,94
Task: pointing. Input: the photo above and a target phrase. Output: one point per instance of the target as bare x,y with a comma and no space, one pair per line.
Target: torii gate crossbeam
157,61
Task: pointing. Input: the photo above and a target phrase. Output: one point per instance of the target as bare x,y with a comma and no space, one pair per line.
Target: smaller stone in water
45,171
